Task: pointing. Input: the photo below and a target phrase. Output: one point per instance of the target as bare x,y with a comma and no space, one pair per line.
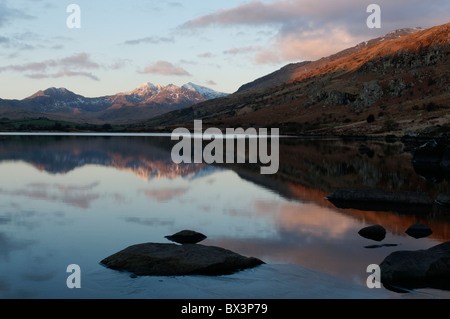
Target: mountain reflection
147,157
309,171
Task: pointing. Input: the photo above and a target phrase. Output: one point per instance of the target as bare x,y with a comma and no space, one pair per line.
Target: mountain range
395,84
145,101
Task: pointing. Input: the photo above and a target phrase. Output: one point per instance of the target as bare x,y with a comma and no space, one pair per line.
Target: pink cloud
165,68
66,67
311,29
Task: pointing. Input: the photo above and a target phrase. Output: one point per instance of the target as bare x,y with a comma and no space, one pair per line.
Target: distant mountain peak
206,92
53,92
145,90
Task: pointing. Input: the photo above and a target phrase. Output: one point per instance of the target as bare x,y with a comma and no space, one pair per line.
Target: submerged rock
418,269
374,232
443,199
186,237
379,246
418,230
156,259
380,200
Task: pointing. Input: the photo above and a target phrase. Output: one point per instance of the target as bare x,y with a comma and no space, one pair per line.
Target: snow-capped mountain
145,101
155,93
207,93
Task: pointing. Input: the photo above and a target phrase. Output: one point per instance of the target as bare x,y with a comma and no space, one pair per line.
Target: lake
76,199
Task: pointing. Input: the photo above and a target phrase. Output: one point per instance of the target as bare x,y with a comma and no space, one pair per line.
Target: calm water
77,199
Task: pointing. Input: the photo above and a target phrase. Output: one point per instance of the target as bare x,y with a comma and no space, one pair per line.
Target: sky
219,44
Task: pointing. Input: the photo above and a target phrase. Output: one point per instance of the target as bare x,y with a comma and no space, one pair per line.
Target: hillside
398,86
295,70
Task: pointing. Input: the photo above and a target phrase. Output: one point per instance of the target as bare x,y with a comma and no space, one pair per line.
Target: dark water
77,199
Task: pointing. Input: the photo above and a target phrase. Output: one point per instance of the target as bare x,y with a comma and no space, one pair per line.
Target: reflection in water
75,199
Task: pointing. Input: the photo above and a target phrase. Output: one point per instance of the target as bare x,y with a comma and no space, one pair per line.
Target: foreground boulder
374,232
186,237
417,269
155,259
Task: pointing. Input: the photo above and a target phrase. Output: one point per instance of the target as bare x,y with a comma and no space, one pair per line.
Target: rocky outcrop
370,93
156,259
330,97
397,87
417,269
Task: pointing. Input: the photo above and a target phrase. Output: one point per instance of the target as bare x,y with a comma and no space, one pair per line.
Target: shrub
370,118
430,107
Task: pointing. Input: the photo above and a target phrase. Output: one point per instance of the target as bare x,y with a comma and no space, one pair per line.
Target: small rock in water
186,237
418,230
375,232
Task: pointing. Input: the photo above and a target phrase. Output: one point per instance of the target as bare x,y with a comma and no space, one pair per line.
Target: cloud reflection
8,245
165,194
74,195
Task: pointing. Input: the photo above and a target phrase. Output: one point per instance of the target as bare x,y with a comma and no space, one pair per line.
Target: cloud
4,40
56,68
149,40
311,29
8,14
242,50
61,74
164,68
202,55
80,60
253,13
118,64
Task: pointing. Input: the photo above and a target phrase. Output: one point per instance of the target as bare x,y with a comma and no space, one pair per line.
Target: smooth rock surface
418,269
155,259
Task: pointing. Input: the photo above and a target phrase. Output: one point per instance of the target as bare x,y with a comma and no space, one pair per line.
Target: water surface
77,199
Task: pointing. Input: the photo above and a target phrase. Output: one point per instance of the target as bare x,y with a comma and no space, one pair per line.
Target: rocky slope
295,70
400,86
